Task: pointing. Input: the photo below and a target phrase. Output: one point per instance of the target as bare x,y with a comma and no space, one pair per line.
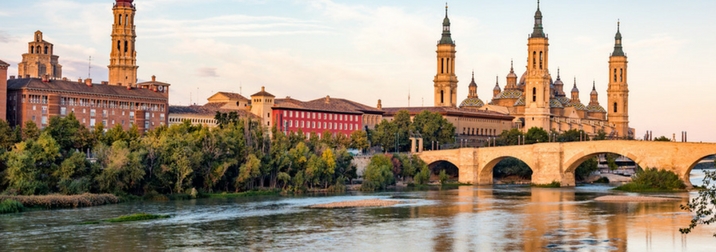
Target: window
104,113
63,110
285,113
131,115
534,94
540,60
615,74
125,46
442,96
119,45
442,65
120,19
92,112
290,113
44,110
534,59
615,107
44,120
621,74
34,107
92,122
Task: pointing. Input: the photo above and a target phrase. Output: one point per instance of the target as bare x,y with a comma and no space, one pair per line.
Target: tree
121,167
601,135
30,131
402,123
572,135
66,131
31,163
378,174
433,127
359,140
662,139
586,168
384,135
509,137
536,135
7,136
704,205
248,172
74,175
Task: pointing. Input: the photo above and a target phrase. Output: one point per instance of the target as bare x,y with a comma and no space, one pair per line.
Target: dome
596,108
509,94
575,89
554,103
497,87
472,102
520,101
577,105
564,100
124,2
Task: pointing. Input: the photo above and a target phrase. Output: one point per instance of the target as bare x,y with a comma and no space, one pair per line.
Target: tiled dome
554,103
520,102
596,108
472,102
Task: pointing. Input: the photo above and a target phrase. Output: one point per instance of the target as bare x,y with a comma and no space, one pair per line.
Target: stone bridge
557,161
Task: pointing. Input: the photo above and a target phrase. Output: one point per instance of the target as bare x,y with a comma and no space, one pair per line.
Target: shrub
443,177
423,177
378,174
63,201
11,206
653,179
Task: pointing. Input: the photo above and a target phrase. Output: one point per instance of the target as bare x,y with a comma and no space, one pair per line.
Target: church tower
123,58
446,80
618,90
537,86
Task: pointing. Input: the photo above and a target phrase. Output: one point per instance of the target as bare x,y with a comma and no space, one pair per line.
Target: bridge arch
686,176
571,165
451,169
486,173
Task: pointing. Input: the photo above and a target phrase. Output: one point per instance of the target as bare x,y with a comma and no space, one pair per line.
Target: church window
540,60
126,20
45,49
120,19
448,65
38,50
442,65
534,94
442,96
125,46
621,74
534,60
119,45
615,107
615,74
32,49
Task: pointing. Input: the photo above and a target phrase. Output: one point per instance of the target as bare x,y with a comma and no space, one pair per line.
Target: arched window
621,74
120,19
442,65
32,49
38,50
534,94
126,20
534,59
442,96
119,45
125,46
615,107
448,66
540,60
45,49
615,74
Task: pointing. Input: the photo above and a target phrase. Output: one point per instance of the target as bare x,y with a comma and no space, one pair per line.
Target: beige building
123,56
39,60
535,100
222,102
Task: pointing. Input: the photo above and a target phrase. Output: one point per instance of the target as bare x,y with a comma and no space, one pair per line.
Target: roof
263,93
3,63
229,95
472,102
206,109
327,104
76,87
449,111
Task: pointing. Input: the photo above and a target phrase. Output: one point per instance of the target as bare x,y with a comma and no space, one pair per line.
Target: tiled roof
3,63
233,96
472,102
73,86
449,111
207,109
327,104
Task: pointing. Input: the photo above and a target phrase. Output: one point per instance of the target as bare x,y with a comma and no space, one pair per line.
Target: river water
467,218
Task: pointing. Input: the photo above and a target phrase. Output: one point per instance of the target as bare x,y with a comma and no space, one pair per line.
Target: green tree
704,205
433,127
586,168
121,168
74,174
114,134
601,135
423,176
30,131
384,135
359,140
572,135
402,123
509,137
536,135
345,170
662,139
30,165
66,131
248,172
378,174
8,138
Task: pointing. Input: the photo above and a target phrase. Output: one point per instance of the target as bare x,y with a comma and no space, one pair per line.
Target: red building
318,116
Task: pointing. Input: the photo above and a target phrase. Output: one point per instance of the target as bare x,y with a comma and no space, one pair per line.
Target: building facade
536,100
222,102
3,89
37,100
39,60
120,101
445,81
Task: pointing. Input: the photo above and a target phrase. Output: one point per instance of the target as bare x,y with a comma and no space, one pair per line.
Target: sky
375,49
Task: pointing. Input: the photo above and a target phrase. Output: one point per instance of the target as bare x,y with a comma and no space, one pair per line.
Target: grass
62,201
136,217
243,194
11,206
554,184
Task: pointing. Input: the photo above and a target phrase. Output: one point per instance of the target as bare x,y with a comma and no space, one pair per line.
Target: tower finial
557,72
512,64
473,74
594,83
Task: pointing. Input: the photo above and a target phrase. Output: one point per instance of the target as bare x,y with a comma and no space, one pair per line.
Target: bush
63,201
443,177
423,177
378,174
554,184
652,179
11,206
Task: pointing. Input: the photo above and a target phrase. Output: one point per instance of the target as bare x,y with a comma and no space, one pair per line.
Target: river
467,218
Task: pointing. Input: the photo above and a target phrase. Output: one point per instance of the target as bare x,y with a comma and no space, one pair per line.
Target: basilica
535,99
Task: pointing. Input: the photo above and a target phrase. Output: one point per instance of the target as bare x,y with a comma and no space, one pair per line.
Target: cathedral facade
535,99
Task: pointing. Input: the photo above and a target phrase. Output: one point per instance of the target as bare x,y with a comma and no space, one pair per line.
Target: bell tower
618,90
445,79
537,86
123,57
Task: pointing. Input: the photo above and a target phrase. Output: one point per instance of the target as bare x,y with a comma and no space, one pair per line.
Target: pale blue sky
370,50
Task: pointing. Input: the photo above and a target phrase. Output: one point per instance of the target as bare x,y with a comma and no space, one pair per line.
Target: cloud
207,72
4,37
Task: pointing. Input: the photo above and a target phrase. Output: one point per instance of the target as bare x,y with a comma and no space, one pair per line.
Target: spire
594,89
575,89
618,42
472,88
538,31
446,38
472,83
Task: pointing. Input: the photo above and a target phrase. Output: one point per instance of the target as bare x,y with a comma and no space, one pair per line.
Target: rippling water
463,219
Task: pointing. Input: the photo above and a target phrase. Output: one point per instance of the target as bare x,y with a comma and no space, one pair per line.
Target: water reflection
463,219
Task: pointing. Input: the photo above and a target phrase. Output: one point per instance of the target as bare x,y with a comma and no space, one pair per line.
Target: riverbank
62,201
357,203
